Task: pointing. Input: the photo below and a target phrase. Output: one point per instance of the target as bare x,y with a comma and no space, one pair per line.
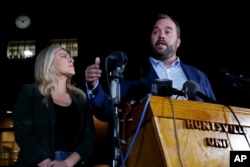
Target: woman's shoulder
26,92
29,86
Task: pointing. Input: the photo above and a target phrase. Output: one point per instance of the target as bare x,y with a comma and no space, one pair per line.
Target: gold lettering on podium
215,142
215,126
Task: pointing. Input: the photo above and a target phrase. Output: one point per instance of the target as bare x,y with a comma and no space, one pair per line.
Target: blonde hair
45,74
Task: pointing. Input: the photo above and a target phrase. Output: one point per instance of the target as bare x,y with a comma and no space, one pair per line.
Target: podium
185,133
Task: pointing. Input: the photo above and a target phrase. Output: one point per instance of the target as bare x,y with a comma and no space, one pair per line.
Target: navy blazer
34,127
137,89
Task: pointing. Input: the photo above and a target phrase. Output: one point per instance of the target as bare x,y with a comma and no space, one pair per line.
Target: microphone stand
116,75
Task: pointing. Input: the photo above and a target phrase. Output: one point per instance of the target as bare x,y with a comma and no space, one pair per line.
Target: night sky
214,38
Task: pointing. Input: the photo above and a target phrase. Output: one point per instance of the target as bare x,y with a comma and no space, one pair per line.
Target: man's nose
162,34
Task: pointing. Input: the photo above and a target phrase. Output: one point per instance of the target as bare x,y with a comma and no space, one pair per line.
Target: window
21,49
70,44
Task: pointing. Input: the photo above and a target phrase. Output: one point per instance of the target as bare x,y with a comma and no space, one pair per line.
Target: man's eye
155,32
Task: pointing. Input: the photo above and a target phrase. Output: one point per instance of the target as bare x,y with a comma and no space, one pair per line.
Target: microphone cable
236,118
193,88
175,130
138,127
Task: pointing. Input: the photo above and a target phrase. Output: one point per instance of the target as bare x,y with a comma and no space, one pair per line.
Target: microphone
163,87
115,90
117,61
193,89
178,92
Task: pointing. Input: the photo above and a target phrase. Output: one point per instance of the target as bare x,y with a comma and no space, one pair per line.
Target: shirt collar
158,62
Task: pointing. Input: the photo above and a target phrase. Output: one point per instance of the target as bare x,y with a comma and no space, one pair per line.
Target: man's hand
93,72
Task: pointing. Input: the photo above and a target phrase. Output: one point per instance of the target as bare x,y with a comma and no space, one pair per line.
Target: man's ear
178,42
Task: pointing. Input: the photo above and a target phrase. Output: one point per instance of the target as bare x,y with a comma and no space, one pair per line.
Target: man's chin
161,47
161,51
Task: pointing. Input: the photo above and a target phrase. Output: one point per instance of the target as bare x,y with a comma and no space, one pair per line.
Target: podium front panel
179,133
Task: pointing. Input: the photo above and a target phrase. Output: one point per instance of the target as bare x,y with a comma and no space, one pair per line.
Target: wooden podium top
203,111
191,133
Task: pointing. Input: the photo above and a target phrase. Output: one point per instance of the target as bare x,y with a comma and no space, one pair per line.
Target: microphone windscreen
118,59
191,88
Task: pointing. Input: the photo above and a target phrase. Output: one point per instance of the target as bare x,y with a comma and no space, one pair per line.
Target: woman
52,122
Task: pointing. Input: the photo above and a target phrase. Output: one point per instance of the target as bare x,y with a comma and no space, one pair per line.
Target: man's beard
163,54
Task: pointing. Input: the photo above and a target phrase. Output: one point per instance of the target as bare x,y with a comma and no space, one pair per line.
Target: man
163,64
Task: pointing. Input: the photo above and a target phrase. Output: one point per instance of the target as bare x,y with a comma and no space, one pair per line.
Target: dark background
214,37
